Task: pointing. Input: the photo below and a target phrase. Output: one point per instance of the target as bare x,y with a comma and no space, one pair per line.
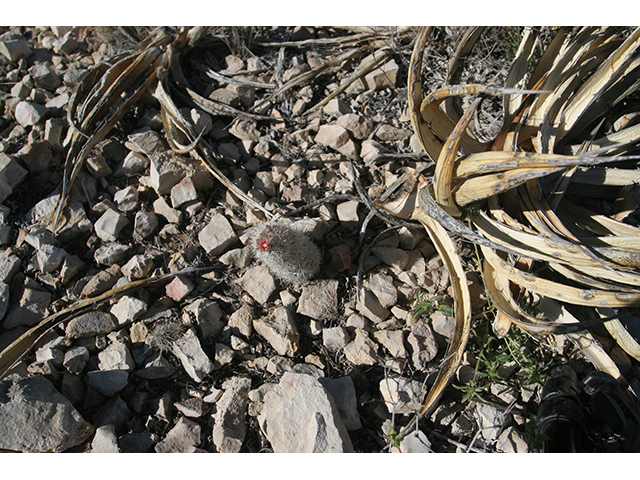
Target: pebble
415,442
105,440
319,300
179,288
299,416
401,395
183,192
490,420
75,359
44,76
218,236
389,133
15,49
111,254
49,257
108,382
192,407
115,412
279,329
335,338
157,367
336,107
116,357
382,287
145,224
383,76
362,350
28,113
423,343
512,441
162,208
137,267
369,306
90,324
109,225
230,426
184,435
259,283
206,315
189,351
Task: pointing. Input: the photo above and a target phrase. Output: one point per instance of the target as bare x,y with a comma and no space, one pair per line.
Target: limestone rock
230,426
343,393
29,113
319,300
189,351
90,324
109,225
280,330
35,417
105,440
184,435
423,345
382,287
362,350
400,394
218,236
300,416
259,283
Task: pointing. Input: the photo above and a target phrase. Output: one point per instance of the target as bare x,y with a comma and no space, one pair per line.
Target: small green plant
289,254
395,437
426,306
535,440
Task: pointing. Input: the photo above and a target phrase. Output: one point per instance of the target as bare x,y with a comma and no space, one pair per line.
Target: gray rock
157,367
336,107
490,420
75,359
423,345
143,442
218,236
162,208
181,438
383,288
90,324
128,309
137,267
35,417
44,76
101,281
4,299
179,288
299,416
400,394
206,315
183,192
145,224
116,357
127,199
105,440
383,76
133,163
279,329
344,395
394,257
370,307
109,225
259,283
335,338
362,350
49,258
389,133
115,412
11,170
29,113
107,382
415,442
319,300
111,253
240,322
71,266
147,142
189,351
512,441
334,136
31,308
73,388
192,407
230,426
9,266
15,49
359,126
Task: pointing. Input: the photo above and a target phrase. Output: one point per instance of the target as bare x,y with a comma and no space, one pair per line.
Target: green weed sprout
425,306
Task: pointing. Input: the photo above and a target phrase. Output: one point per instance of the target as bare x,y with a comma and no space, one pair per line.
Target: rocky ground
241,353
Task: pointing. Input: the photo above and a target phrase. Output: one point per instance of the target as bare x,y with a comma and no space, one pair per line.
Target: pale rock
127,199
32,307
222,95
168,168
362,350
356,321
179,288
206,315
348,211
241,321
423,345
116,357
192,407
512,441
442,324
504,392
37,418
58,102
370,307
111,253
29,113
393,341
133,163
238,257
9,266
359,126
15,49
287,298
336,107
230,426
279,329
335,338
259,283
415,144
155,368
184,435
319,300
137,267
245,130
75,359
300,416
105,440
490,420
49,258
189,351
145,224
162,208
107,382
128,309
147,142
334,136
446,413
53,130
278,365
389,133
369,149
218,236
264,182
183,192
382,77
384,290
66,45
109,225
234,63
98,166
401,395
415,442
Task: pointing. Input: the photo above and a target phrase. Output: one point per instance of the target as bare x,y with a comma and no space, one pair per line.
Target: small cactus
290,255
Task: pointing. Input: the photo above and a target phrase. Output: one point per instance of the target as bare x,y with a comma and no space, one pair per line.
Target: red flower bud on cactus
263,244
